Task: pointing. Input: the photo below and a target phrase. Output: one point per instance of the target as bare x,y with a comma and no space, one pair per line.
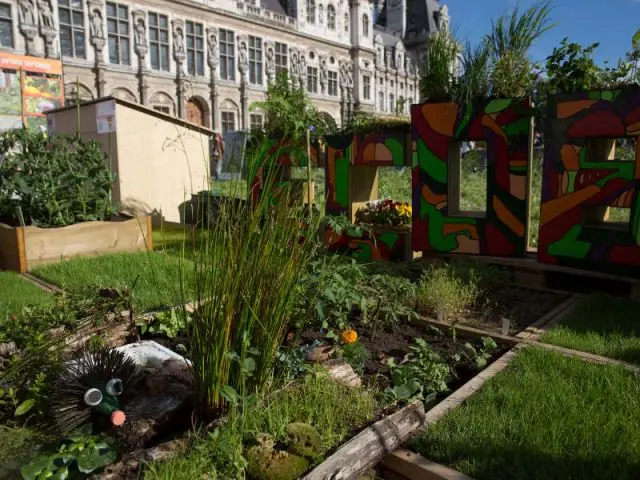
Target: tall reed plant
474,82
247,268
440,57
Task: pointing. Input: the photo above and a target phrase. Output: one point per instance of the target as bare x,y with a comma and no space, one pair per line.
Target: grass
16,292
334,409
155,277
16,445
603,325
547,416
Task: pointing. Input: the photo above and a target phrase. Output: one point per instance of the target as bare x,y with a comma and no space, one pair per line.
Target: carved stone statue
270,64
178,42
212,44
387,58
141,33
408,65
97,26
27,12
399,63
343,75
213,58
442,18
295,65
243,61
350,75
47,19
302,73
324,74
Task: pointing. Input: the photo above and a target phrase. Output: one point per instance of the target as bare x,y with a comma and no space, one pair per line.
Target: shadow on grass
603,325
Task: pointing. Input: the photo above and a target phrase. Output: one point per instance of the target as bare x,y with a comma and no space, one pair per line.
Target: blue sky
610,22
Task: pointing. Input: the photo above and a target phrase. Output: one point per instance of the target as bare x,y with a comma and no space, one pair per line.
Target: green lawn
156,276
16,292
546,417
603,325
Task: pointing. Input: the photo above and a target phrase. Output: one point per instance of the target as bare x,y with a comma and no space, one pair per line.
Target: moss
266,463
303,440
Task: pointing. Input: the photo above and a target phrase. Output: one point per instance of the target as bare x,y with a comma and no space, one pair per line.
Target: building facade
207,61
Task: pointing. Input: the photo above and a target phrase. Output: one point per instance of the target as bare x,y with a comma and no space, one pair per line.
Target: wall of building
344,54
159,162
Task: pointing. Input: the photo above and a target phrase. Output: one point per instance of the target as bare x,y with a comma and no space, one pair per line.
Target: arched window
365,25
331,17
311,11
381,101
392,103
346,23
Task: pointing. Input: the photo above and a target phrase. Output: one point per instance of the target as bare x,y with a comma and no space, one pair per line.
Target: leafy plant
422,374
169,323
477,356
291,364
80,453
437,74
509,41
356,355
440,287
55,182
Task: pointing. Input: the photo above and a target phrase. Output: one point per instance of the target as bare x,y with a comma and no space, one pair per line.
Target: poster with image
10,103
106,117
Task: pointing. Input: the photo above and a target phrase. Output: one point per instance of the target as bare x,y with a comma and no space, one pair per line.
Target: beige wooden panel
45,245
363,188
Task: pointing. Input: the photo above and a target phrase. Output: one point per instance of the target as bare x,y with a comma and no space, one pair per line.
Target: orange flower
349,336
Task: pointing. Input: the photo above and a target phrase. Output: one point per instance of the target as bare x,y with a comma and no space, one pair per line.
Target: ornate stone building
208,60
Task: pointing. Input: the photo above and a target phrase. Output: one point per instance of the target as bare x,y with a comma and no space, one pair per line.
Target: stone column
179,55
98,39
213,60
28,17
141,48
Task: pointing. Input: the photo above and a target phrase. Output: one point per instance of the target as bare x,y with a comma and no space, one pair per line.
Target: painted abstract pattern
383,245
505,125
337,169
376,149
574,181
274,153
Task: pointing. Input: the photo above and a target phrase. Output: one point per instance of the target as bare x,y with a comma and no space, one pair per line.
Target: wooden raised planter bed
22,248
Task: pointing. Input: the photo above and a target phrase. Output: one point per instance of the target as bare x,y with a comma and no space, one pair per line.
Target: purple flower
312,128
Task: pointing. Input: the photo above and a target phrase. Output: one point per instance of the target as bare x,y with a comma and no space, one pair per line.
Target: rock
265,463
342,372
8,349
320,353
303,440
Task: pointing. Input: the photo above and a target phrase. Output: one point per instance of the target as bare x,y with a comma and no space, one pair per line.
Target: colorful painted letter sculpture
573,183
505,125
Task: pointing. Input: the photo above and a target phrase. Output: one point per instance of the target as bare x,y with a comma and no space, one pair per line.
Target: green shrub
356,355
55,181
441,285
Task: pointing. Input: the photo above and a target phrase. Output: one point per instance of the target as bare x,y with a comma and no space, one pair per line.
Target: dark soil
395,342
522,306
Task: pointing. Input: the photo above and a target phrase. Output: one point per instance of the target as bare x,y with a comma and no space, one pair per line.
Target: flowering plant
349,336
386,212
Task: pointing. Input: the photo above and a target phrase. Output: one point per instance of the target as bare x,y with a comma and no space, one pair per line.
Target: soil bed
395,342
520,305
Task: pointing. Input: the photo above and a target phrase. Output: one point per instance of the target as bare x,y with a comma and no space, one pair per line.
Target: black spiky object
93,386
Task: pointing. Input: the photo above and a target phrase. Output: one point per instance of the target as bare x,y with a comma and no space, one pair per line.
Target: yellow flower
349,336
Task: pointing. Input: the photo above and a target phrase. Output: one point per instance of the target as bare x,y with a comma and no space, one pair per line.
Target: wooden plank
12,248
540,326
412,466
473,332
363,187
42,284
367,448
46,245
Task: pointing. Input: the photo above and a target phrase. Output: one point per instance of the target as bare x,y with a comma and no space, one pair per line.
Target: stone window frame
166,109
332,83
331,17
311,12
159,39
256,60
7,20
225,115
121,38
194,35
365,25
281,57
312,79
366,87
75,30
227,47
256,121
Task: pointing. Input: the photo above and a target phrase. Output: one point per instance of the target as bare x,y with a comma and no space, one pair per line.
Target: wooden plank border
407,465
